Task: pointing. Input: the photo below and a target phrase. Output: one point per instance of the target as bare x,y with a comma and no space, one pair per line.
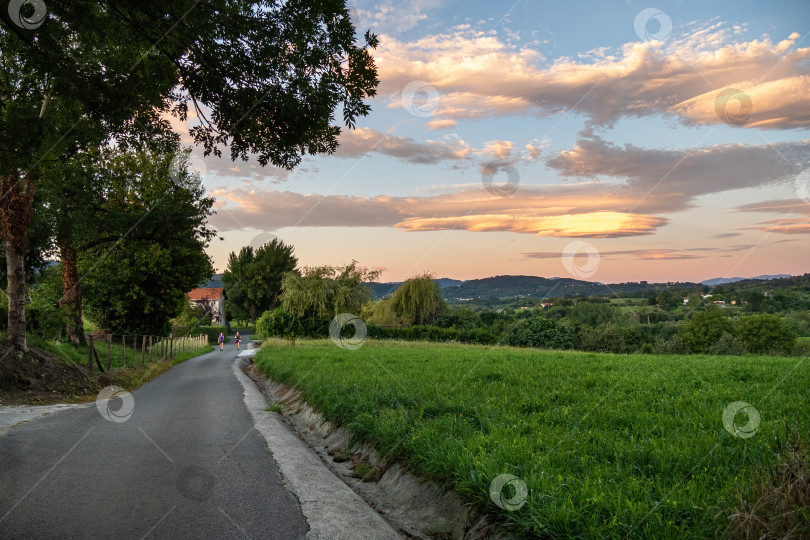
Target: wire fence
122,351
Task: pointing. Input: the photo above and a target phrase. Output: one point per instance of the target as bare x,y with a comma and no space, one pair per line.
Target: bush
729,345
414,333
704,329
280,323
673,345
592,314
604,338
541,333
766,333
190,319
44,317
802,348
45,321
213,332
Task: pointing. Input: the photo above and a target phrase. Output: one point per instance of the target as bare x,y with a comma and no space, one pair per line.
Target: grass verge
56,372
607,445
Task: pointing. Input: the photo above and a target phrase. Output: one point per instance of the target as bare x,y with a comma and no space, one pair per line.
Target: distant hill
723,281
540,287
381,290
527,286
214,282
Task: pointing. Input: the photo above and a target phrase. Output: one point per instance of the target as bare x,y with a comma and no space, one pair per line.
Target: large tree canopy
264,78
253,278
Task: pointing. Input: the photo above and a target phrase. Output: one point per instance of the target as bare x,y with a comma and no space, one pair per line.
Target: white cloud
478,75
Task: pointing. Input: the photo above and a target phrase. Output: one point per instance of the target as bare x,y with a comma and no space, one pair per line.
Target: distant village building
212,301
546,305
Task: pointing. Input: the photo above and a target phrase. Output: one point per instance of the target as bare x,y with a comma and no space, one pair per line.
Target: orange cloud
591,225
441,124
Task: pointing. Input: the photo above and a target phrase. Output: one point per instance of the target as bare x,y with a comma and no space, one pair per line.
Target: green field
608,445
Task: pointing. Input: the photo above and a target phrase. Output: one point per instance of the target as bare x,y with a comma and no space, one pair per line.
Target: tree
766,333
418,300
253,277
136,282
704,329
320,293
264,77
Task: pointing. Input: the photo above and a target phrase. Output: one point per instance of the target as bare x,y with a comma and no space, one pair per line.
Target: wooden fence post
109,352
171,346
143,351
123,352
90,356
150,349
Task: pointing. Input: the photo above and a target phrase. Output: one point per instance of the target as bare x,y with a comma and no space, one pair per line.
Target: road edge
332,510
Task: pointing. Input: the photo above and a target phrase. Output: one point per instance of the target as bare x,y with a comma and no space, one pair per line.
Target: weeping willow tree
381,313
318,294
418,300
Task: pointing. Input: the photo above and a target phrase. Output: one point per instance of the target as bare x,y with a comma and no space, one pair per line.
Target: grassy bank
56,372
608,445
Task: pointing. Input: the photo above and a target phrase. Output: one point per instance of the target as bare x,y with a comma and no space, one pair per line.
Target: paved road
186,464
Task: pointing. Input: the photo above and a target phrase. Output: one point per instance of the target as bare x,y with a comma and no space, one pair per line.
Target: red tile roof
214,293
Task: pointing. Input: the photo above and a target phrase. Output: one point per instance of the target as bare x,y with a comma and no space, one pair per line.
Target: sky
608,141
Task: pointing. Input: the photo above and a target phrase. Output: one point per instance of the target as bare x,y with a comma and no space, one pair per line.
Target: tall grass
608,445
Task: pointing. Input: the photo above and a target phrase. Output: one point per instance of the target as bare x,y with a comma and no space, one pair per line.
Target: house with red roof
211,300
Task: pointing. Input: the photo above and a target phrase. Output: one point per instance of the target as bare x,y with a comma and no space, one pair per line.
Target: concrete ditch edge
331,508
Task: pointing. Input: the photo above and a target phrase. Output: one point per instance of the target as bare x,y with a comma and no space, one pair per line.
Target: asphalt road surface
187,463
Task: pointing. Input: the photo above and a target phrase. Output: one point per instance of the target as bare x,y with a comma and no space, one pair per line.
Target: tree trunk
71,291
16,208
16,291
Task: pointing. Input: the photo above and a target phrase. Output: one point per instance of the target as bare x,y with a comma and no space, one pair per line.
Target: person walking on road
237,338
221,340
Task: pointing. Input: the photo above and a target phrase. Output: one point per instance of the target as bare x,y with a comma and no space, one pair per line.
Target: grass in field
608,445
